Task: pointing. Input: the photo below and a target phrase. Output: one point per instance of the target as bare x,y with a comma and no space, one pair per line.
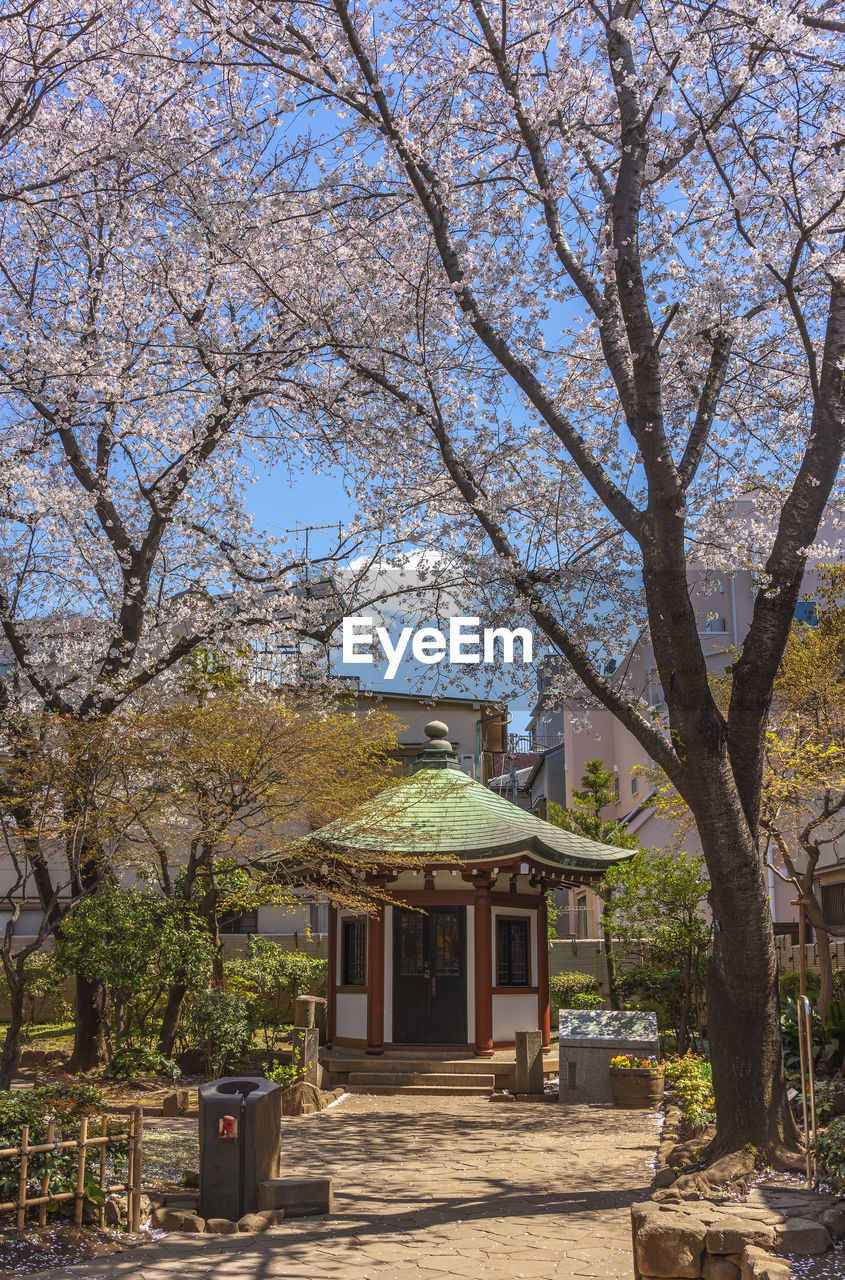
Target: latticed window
833,903
512,953
411,927
354,967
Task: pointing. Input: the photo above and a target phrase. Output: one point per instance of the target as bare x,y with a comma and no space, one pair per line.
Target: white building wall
351,1023
512,1013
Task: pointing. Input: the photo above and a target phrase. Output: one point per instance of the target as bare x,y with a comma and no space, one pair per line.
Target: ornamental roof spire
438,753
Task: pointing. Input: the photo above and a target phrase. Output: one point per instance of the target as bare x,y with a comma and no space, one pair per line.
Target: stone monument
589,1038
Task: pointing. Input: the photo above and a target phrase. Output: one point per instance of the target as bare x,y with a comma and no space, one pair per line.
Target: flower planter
636,1087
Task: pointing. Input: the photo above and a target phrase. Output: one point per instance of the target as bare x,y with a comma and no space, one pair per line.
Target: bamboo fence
82,1145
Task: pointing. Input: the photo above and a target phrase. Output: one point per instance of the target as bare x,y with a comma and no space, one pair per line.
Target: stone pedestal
529,1062
306,1045
310,1011
589,1039
298,1197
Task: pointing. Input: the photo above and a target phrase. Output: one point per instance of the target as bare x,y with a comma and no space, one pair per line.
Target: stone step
424,1090
459,1066
405,1078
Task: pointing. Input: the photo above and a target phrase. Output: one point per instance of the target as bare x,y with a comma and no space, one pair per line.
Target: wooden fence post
138,1153
45,1180
22,1180
101,1213
80,1171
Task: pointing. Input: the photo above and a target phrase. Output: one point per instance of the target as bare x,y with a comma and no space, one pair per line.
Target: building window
245,923
581,917
806,611
615,787
635,783
833,903
354,967
512,953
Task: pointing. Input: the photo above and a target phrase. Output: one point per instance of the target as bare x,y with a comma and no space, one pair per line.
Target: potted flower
636,1082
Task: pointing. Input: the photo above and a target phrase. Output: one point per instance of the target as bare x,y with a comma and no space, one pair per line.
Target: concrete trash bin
240,1123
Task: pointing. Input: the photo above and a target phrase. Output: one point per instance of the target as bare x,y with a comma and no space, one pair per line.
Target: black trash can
240,1121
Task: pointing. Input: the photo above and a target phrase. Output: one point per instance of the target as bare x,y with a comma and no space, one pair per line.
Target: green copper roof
439,812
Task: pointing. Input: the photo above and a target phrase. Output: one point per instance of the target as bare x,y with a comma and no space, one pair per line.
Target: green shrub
587,1000
789,1037
135,1060
273,978
692,1078
829,1150
790,983
220,1023
839,984
826,1093
286,1073
66,1105
44,990
660,989
563,987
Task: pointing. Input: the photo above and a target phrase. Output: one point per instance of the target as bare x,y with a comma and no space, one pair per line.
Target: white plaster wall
514,1013
351,1016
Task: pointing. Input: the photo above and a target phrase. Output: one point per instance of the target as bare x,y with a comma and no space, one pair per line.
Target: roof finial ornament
437,752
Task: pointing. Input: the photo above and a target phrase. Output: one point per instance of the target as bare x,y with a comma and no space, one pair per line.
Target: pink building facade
724,606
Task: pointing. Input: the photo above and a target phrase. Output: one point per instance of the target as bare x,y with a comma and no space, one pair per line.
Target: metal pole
805,1041
805,1048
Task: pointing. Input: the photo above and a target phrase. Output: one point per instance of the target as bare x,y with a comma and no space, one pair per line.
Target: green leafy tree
220,1023
273,978
134,941
237,771
596,792
659,901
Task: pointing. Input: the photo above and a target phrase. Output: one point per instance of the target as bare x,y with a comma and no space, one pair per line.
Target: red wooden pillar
331,1028
375,982
483,976
543,971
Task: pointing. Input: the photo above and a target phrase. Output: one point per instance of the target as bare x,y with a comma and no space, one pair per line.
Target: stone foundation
685,1240
278,1198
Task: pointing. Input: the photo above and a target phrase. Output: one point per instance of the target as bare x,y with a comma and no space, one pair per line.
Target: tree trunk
11,1056
170,1021
89,1039
743,1004
609,952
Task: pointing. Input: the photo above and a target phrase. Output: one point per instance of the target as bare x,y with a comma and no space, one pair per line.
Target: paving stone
803,1235
720,1267
834,1220
668,1244
253,1222
731,1235
758,1264
425,1189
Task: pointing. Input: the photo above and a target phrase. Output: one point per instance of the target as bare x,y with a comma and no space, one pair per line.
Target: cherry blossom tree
578,282
138,366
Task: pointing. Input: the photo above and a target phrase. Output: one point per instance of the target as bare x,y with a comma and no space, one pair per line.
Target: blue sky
281,506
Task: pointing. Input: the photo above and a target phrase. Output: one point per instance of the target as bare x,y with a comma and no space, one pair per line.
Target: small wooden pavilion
460,960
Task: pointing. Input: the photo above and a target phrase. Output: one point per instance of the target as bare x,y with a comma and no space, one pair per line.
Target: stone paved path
427,1190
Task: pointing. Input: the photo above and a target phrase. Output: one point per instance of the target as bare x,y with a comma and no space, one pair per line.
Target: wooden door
429,976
